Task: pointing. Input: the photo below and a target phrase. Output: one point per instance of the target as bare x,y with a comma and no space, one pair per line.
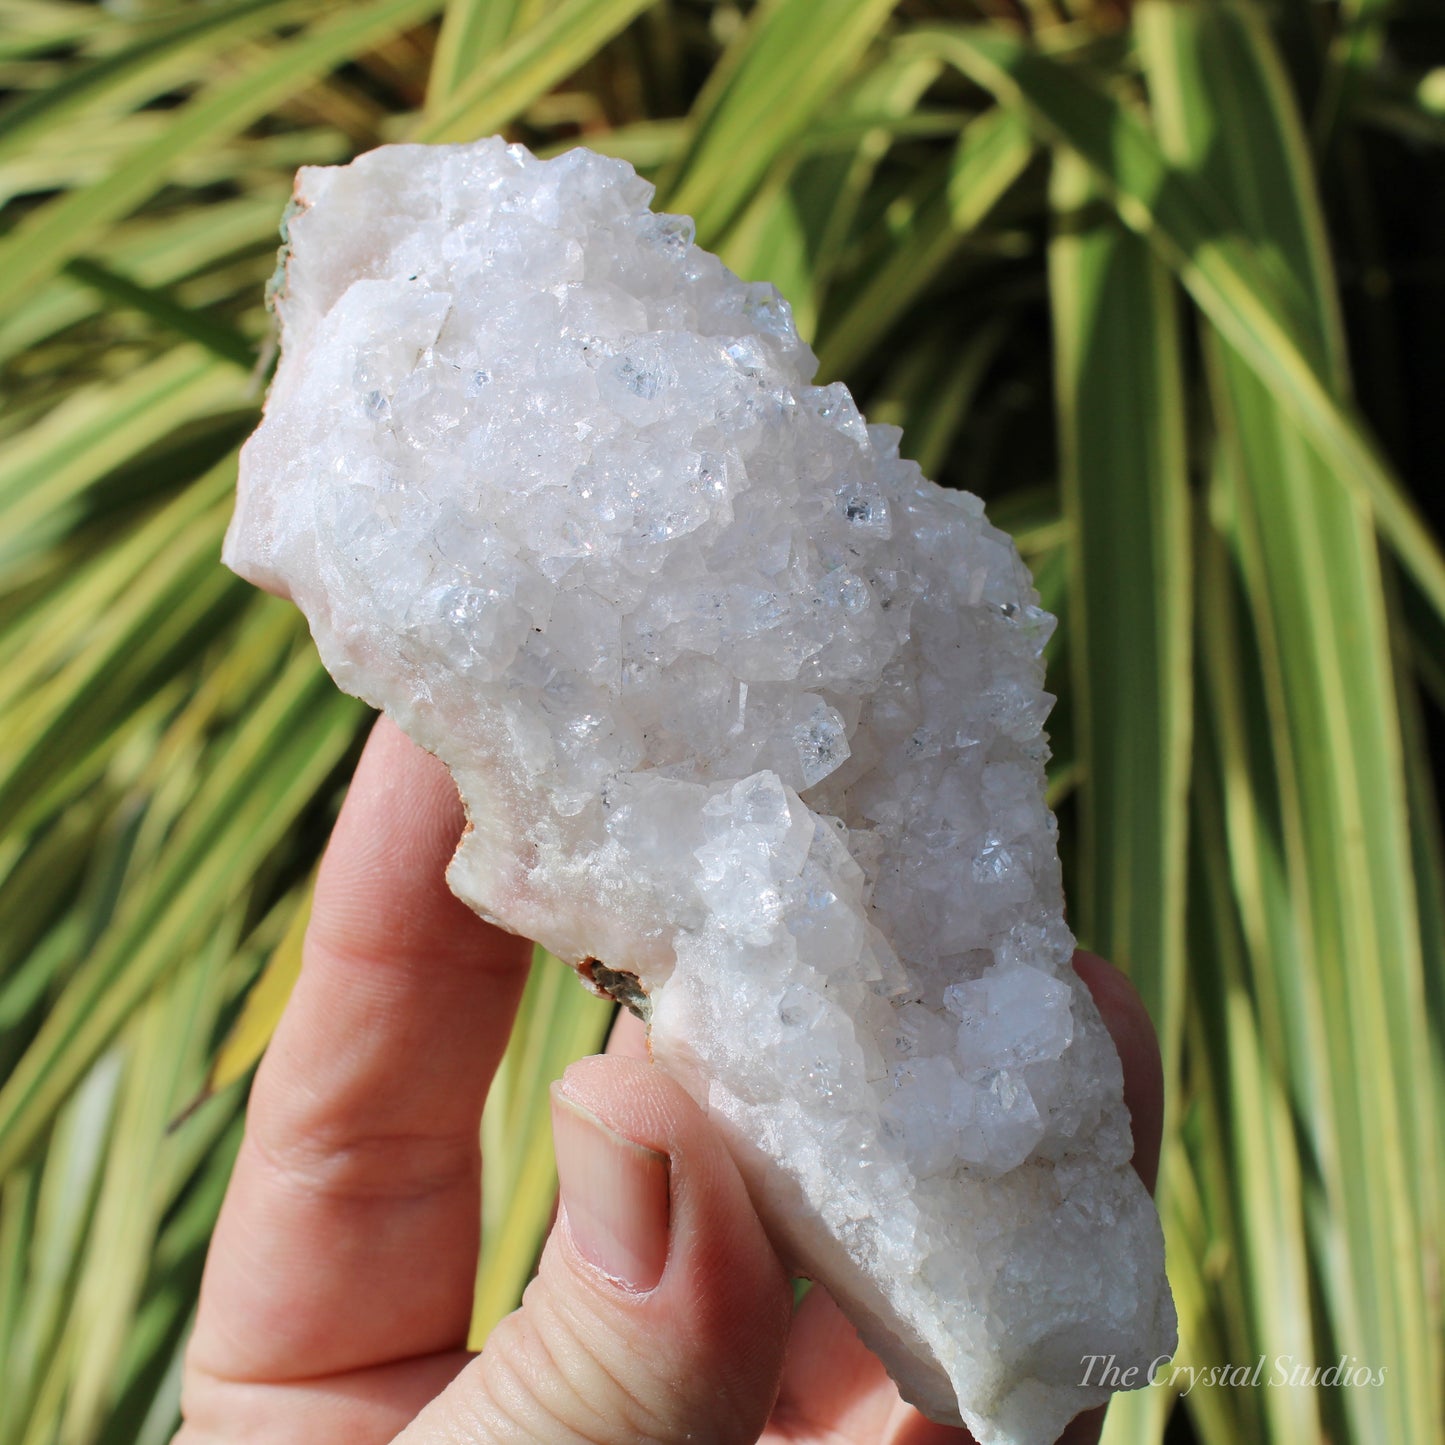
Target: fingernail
614,1196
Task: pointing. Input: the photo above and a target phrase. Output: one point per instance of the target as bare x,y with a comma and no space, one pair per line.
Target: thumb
659,1312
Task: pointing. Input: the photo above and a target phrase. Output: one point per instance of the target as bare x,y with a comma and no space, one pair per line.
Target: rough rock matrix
742,707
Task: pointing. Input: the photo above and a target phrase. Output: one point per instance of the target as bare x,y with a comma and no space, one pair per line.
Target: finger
363,1407
659,1311
831,1366
1134,1037
628,1037
869,1408
825,1361
834,1387
349,1234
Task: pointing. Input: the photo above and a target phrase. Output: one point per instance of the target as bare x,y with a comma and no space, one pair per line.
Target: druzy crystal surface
747,717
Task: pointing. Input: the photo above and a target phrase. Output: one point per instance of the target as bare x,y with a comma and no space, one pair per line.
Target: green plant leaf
295,731
133,1196
1310,567
989,157
266,1001
163,56
220,340
530,63
1238,290
558,1021
471,30
1246,912
1121,399
730,152
49,236
97,429
154,252
798,224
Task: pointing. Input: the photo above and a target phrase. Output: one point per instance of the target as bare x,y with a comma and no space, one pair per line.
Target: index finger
349,1234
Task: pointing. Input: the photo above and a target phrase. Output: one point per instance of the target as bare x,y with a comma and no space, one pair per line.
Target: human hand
338,1289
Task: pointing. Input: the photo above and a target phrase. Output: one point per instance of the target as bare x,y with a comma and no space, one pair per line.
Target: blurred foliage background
1163,282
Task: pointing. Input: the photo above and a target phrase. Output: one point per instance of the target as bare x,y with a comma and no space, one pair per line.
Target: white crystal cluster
740,705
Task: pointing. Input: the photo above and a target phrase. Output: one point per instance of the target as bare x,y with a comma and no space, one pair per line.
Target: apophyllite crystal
747,717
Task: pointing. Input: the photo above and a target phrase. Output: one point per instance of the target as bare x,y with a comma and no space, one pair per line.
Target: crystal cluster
747,718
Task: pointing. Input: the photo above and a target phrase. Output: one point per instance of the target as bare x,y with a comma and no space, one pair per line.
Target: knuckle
357,1164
